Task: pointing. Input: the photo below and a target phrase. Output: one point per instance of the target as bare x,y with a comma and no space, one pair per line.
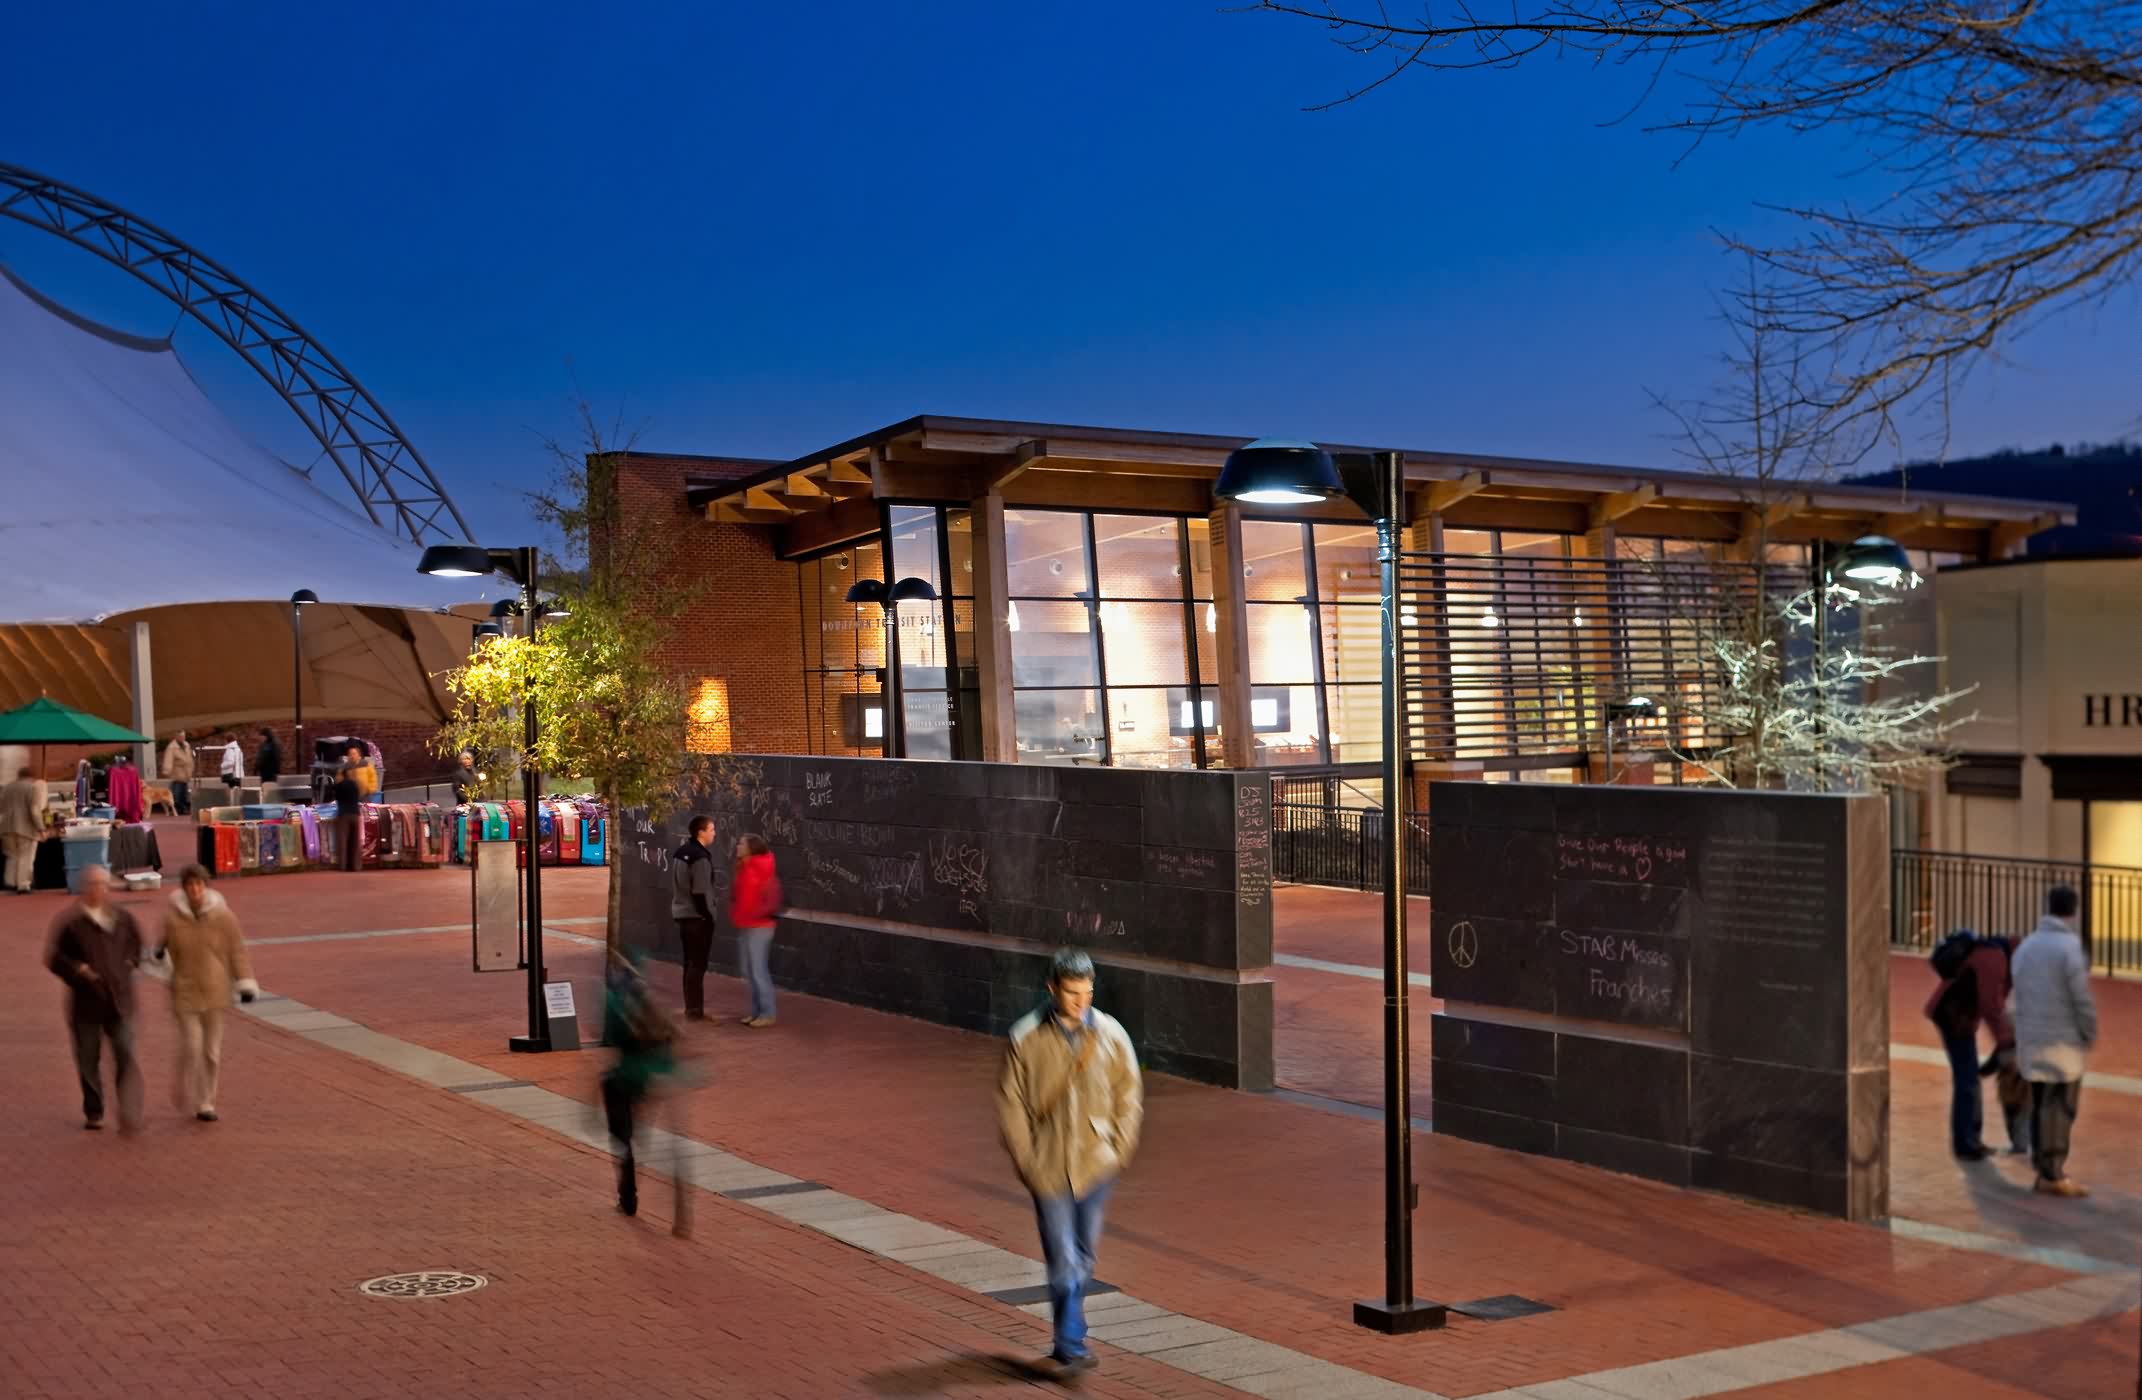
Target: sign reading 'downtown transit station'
1682,984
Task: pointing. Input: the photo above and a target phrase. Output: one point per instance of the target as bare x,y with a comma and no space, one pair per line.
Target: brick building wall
739,648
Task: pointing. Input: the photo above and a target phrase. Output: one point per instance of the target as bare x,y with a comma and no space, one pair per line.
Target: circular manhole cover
426,1283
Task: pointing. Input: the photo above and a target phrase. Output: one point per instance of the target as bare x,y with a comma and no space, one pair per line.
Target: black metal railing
1933,893
1314,844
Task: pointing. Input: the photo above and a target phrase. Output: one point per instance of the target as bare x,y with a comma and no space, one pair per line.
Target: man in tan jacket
208,959
22,823
1070,1104
178,771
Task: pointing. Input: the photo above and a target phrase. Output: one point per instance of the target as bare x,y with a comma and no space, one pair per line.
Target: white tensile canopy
127,497
125,488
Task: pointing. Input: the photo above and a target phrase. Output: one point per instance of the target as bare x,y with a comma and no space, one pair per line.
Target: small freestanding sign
496,907
564,1020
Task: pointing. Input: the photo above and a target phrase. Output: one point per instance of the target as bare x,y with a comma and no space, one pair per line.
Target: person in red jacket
754,901
1975,992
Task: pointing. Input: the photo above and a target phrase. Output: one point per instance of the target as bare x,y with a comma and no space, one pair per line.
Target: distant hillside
2102,482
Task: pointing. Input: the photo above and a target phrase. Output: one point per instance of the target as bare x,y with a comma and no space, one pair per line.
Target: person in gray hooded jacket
2056,1024
691,904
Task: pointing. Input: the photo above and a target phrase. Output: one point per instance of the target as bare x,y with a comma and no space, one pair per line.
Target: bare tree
2013,129
1799,686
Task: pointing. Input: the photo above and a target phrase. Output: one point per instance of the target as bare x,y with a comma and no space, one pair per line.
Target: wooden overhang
832,497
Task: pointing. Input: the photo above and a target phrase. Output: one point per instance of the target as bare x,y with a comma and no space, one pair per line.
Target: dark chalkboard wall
937,889
1680,983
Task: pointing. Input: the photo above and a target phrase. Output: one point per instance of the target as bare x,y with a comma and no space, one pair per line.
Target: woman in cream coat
208,959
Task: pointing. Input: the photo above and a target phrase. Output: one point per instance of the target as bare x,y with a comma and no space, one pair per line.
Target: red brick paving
1252,1213
223,1260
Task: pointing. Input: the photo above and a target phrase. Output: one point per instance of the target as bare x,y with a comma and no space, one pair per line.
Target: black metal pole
538,1037
1399,1311
1822,660
298,752
895,731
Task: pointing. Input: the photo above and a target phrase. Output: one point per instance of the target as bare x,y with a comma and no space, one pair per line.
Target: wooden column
1601,665
992,631
1236,747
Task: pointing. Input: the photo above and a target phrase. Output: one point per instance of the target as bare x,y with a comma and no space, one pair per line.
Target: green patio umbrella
45,721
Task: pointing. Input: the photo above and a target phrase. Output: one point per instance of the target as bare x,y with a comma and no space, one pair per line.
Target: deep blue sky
762,229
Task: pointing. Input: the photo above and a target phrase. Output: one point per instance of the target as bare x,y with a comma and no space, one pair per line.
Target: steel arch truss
393,483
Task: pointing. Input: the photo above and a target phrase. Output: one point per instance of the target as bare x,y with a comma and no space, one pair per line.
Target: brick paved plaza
854,1215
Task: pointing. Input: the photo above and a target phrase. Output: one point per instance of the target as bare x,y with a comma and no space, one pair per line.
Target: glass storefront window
1140,556
1144,728
1353,644
929,723
1046,553
1143,643
1059,726
915,545
1283,723
1199,530
1052,644
1346,567
1279,645
1274,563
959,542
1356,722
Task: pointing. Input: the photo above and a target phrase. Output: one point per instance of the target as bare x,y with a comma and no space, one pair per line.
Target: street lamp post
299,601
474,561
871,590
1874,559
1272,471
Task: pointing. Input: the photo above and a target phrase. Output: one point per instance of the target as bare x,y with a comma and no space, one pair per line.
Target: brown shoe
2065,1186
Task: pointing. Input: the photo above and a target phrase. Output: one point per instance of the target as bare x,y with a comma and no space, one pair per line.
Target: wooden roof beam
1442,495
1610,508
1023,456
2008,539
765,498
730,513
1769,517
1907,522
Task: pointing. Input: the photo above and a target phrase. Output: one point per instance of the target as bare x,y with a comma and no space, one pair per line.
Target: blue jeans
1070,1238
757,943
1967,1112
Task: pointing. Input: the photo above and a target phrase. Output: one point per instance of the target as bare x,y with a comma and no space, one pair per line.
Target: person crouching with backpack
1973,990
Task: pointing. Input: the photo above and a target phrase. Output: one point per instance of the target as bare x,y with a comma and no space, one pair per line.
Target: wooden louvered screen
1516,655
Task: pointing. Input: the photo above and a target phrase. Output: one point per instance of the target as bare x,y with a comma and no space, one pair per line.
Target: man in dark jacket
691,904
1977,991
348,797
95,948
268,758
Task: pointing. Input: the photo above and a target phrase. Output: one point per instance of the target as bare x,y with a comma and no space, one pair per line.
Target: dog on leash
155,795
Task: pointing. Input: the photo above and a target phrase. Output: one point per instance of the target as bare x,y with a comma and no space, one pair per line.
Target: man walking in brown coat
1070,1105
95,948
208,960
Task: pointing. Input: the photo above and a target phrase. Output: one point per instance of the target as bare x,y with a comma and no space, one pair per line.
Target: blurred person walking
754,904
208,960
2056,1024
268,761
645,1041
1070,1104
95,948
691,904
177,769
22,826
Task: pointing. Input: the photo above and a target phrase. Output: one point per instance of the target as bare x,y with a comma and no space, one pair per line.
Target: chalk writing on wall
1638,858
893,882
1253,845
1623,976
1183,865
962,870
830,874
1083,925
887,785
818,789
